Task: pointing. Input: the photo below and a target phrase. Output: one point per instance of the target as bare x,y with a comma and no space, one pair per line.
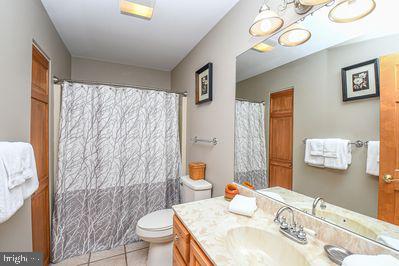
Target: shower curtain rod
57,80
245,100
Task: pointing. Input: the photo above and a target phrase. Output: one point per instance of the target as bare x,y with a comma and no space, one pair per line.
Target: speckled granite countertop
209,221
358,223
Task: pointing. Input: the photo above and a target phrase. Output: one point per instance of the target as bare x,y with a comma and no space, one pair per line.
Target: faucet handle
283,223
301,233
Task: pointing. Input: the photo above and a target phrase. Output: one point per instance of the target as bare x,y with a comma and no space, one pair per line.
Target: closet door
39,141
280,139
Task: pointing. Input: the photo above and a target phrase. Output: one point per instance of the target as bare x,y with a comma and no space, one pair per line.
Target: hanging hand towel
18,160
373,158
243,205
343,154
10,199
370,260
313,146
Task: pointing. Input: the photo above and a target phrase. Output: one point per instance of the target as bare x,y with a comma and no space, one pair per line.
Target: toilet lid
157,221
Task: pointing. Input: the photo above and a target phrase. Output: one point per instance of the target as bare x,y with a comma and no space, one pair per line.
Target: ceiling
95,29
325,34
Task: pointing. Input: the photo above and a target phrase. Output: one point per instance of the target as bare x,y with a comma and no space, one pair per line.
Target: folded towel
373,158
317,159
10,199
272,195
342,151
370,260
17,159
388,240
316,147
243,205
330,148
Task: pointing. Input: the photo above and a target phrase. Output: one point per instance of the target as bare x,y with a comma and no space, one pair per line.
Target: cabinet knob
176,237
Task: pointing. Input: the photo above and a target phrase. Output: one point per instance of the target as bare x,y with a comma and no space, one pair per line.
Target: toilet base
160,254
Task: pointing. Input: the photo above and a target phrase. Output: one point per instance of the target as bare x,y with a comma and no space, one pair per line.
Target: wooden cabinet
186,252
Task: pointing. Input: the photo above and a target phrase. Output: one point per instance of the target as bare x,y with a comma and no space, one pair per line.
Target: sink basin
344,222
252,246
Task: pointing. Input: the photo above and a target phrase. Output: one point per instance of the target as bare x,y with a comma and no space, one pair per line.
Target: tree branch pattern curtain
250,144
119,159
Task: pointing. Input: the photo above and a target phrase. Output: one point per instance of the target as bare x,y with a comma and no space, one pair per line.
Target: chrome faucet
323,205
290,230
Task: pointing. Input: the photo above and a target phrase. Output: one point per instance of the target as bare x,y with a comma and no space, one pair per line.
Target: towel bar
357,143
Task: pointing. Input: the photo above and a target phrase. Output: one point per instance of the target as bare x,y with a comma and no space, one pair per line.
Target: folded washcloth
388,240
373,158
370,260
243,205
314,146
272,195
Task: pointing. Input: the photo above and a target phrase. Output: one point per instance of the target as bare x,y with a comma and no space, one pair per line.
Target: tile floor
128,255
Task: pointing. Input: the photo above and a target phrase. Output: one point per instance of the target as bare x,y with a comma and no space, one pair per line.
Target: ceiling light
351,10
266,22
138,8
295,35
313,2
263,47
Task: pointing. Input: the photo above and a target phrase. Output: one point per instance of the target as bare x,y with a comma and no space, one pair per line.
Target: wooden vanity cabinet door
197,256
181,239
177,258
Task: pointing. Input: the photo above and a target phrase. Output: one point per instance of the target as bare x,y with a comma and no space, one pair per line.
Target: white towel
243,205
272,195
18,177
342,151
314,146
10,199
17,158
388,240
370,260
373,158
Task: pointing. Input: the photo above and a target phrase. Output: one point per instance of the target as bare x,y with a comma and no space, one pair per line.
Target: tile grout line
124,248
88,263
136,250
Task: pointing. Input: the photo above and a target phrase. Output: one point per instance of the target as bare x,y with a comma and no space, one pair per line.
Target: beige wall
21,22
319,112
93,70
220,46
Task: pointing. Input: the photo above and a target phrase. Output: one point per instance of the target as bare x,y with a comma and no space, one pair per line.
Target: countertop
208,222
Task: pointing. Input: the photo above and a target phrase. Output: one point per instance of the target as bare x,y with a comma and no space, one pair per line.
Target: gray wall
319,112
21,22
93,70
220,46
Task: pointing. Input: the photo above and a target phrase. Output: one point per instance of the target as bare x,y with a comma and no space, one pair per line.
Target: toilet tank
193,190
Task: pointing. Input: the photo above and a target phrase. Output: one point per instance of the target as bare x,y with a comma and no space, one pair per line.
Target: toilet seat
156,227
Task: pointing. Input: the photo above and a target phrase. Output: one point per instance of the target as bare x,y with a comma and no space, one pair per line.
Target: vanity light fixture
263,47
295,35
138,8
266,22
351,10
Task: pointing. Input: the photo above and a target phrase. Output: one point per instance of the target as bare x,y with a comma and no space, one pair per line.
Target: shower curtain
250,144
119,159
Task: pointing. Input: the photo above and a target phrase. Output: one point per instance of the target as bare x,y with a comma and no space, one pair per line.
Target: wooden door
39,141
280,139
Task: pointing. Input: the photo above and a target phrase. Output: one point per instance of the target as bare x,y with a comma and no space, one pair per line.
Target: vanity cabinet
186,252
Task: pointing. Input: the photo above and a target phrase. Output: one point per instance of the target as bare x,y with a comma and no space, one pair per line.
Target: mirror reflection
315,120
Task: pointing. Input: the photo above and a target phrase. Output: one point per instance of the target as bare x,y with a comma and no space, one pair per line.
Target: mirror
307,121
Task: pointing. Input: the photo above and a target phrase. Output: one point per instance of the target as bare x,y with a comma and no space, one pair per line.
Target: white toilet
157,227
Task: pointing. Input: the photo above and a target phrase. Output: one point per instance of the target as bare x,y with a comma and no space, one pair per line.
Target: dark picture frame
362,81
203,84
